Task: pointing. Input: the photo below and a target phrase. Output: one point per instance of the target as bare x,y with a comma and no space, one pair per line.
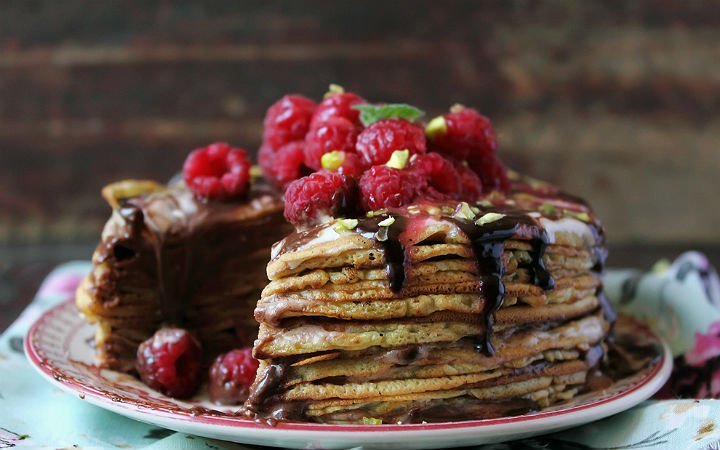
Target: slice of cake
429,285
170,257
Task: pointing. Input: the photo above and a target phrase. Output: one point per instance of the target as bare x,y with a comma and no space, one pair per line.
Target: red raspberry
319,194
491,171
471,185
171,362
287,120
231,376
442,177
336,133
386,187
217,171
285,165
466,132
339,105
377,142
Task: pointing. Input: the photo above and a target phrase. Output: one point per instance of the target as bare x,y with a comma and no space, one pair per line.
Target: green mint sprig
370,114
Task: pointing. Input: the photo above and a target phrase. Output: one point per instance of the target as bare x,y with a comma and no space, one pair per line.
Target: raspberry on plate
171,362
336,133
471,187
287,120
343,162
376,143
217,171
338,104
461,133
443,178
387,187
231,376
319,196
284,165
491,171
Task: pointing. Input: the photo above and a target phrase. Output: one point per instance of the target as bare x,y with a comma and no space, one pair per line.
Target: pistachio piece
436,127
371,421
489,218
387,222
332,160
463,211
334,89
547,209
345,224
115,193
376,212
399,159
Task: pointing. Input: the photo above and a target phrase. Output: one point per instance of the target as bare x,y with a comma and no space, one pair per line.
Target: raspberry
287,120
471,185
285,165
339,105
171,362
343,162
386,187
377,142
336,133
491,171
460,133
217,171
231,376
310,199
442,177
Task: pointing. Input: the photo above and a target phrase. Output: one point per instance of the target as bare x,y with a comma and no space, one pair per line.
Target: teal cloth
35,414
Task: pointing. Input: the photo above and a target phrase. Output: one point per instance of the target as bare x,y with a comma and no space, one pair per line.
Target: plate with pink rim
59,346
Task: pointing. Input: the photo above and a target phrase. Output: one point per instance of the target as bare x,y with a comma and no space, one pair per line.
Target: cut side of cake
168,257
434,312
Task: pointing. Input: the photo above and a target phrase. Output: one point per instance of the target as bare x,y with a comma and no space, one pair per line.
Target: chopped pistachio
371,421
345,224
475,210
255,171
463,211
489,218
436,127
387,222
448,210
585,217
399,159
382,234
334,89
485,203
332,160
548,209
376,213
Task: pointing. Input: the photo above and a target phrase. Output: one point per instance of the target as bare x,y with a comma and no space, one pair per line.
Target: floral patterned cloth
681,301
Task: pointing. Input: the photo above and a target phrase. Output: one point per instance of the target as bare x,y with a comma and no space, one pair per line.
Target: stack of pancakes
167,258
433,313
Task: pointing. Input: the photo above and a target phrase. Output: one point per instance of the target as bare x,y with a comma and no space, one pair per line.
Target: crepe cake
434,312
168,257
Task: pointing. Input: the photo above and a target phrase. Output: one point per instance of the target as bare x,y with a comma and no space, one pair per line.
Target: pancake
167,258
438,316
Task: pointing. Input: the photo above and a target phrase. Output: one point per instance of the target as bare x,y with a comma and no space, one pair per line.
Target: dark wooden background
616,101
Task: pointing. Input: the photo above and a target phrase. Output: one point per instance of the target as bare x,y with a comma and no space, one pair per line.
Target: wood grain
616,101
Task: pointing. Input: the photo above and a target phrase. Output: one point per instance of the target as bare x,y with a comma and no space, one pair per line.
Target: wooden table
22,269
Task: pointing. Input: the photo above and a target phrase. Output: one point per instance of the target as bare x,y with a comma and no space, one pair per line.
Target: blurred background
618,102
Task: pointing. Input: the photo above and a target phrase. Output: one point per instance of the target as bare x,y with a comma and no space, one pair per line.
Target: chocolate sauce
451,411
394,251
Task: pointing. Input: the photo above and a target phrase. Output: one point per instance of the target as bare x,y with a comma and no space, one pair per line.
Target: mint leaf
370,114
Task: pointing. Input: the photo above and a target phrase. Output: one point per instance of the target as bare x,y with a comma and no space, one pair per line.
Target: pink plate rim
51,372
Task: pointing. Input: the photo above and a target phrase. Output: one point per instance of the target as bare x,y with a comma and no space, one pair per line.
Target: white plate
59,346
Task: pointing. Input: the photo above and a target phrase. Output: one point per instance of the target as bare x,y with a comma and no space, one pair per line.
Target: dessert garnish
231,375
217,171
171,362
